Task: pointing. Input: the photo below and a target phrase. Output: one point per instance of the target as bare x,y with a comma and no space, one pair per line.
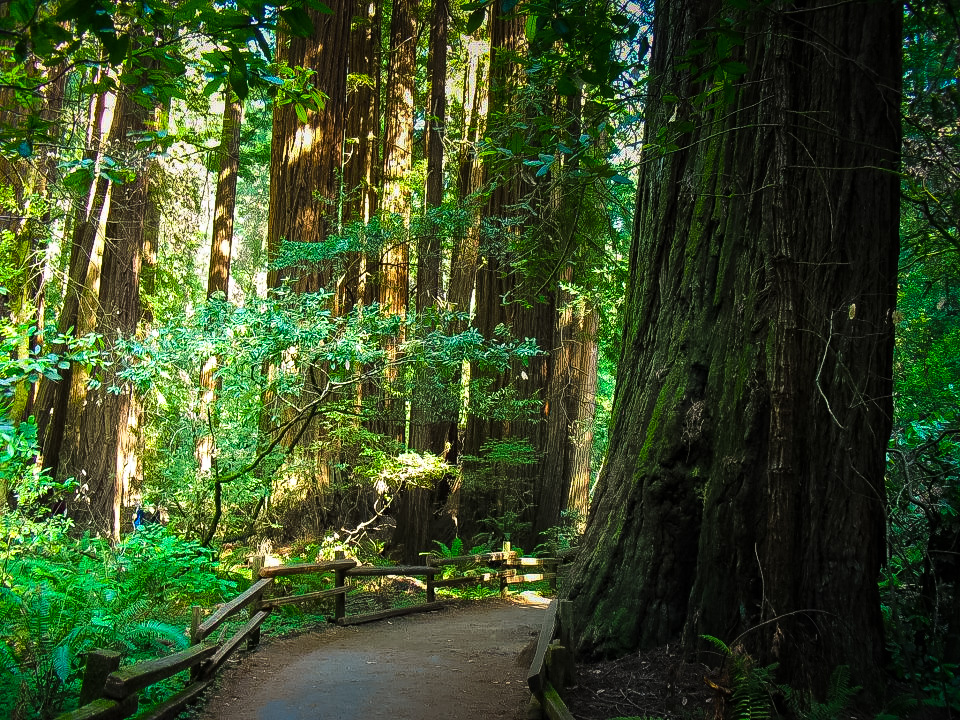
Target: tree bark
100,446
221,243
306,160
743,495
431,396
390,275
362,164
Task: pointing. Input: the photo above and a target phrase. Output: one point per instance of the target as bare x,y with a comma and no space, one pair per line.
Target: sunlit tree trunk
428,426
221,250
362,166
78,312
743,495
389,278
306,158
306,166
99,448
221,242
507,490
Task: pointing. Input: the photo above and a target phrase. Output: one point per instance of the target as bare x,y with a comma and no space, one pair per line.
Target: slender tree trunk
743,495
428,431
221,243
362,165
390,279
221,250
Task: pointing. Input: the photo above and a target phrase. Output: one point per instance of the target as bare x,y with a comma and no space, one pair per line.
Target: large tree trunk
390,274
58,400
743,494
99,447
563,477
306,160
486,494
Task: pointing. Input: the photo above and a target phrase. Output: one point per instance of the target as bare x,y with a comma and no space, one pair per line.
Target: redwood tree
306,158
743,496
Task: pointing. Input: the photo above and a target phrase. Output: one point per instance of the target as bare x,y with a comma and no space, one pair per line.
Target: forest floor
467,661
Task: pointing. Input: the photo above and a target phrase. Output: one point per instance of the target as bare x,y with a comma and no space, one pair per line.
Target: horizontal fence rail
111,693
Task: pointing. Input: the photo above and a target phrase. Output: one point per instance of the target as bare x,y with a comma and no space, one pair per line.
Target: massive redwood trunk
743,495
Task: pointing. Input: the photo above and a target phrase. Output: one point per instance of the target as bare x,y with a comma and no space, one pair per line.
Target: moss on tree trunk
743,496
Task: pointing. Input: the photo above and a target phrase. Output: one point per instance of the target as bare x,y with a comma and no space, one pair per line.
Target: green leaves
475,20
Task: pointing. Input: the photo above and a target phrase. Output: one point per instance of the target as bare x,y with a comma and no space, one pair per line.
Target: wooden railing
109,692
553,666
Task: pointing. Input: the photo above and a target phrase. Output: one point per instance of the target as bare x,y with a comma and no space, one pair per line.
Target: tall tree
306,158
390,275
361,171
428,424
495,281
743,495
99,447
221,242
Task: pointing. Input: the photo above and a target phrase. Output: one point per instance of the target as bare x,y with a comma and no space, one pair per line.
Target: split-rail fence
109,692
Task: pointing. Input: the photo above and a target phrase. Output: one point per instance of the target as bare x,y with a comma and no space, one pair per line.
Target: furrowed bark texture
389,281
306,158
743,494
221,243
361,169
99,447
489,497
433,396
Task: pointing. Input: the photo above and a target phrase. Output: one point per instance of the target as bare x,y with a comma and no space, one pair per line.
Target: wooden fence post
503,580
195,615
340,602
565,617
431,590
100,663
256,565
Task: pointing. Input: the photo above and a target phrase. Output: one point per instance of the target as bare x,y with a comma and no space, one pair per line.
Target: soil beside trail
464,662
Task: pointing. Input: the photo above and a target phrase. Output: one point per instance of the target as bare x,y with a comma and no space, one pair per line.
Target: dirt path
460,663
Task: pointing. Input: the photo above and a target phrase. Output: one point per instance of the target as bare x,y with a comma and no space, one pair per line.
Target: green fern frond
62,660
839,694
155,630
8,661
718,643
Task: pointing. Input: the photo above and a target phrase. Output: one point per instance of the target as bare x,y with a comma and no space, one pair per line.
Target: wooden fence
109,692
553,666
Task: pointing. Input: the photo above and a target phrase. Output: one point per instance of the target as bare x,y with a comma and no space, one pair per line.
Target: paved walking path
461,663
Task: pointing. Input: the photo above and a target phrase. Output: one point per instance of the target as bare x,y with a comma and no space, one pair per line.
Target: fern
839,695
751,684
164,633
